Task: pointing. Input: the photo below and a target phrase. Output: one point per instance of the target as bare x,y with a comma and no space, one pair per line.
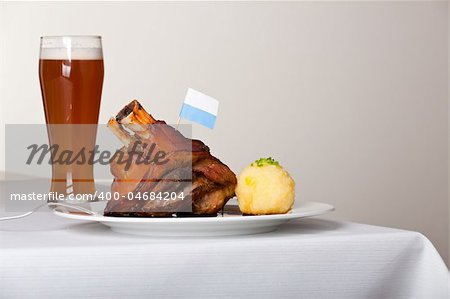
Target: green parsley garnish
265,161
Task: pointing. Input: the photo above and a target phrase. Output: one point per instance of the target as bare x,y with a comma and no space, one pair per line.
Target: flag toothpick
199,108
178,122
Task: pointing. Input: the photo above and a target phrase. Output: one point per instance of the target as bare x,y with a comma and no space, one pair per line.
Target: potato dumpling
265,187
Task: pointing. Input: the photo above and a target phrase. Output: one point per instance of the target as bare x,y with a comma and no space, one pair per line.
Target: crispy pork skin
187,167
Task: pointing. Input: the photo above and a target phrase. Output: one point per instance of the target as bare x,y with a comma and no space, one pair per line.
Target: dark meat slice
189,168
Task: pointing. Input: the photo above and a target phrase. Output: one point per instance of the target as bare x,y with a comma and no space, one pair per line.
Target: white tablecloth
43,256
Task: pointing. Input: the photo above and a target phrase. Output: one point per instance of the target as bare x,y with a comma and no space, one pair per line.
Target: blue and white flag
200,108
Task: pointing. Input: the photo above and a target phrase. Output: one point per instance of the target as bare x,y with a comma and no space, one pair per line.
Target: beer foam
72,53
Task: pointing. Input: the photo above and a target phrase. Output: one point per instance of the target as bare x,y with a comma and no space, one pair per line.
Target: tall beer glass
71,77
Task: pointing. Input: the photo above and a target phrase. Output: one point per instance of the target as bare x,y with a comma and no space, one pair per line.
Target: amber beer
71,77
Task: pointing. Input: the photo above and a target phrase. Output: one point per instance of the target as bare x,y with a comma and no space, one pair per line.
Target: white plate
200,226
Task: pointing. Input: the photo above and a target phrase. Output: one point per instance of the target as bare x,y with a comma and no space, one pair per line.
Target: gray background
351,97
